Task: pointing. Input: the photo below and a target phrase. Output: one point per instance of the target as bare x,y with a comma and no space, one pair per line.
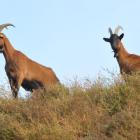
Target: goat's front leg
15,85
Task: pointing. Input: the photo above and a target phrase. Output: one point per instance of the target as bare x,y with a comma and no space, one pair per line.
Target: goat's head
114,39
2,35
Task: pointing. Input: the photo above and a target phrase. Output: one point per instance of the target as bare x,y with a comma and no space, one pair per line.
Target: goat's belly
30,85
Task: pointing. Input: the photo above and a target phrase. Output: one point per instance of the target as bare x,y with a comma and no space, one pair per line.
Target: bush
97,111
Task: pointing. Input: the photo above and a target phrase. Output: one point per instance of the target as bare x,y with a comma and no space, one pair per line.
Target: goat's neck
121,56
8,50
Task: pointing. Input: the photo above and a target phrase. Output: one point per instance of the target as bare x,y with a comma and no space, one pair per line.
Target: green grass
93,111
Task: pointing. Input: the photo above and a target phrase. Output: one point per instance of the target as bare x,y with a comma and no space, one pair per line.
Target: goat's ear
106,39
121,36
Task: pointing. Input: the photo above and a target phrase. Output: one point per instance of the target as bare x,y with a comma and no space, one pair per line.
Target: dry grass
93,112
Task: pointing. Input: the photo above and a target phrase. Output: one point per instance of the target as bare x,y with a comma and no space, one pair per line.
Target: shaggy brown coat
22,71
128,63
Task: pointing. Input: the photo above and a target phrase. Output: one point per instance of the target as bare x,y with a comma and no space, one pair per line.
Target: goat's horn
117,29
5,26
110,31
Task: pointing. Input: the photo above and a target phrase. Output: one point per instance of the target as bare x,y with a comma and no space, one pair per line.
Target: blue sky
67,34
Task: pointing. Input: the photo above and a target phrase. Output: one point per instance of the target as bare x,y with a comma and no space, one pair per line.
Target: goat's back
34,71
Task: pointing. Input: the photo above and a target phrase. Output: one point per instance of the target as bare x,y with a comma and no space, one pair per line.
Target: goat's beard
115,51
115,54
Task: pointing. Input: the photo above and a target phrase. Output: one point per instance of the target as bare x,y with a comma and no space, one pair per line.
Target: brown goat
21,70
128,63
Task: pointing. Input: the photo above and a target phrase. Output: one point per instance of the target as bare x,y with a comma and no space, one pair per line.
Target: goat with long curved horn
22,71
5,26
128,63
117,29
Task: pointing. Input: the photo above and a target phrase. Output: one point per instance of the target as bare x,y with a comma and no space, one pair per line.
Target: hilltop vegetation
93,111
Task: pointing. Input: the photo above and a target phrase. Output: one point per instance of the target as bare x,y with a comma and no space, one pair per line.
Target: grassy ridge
93,112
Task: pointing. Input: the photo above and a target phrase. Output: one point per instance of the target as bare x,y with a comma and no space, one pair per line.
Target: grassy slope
93,112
